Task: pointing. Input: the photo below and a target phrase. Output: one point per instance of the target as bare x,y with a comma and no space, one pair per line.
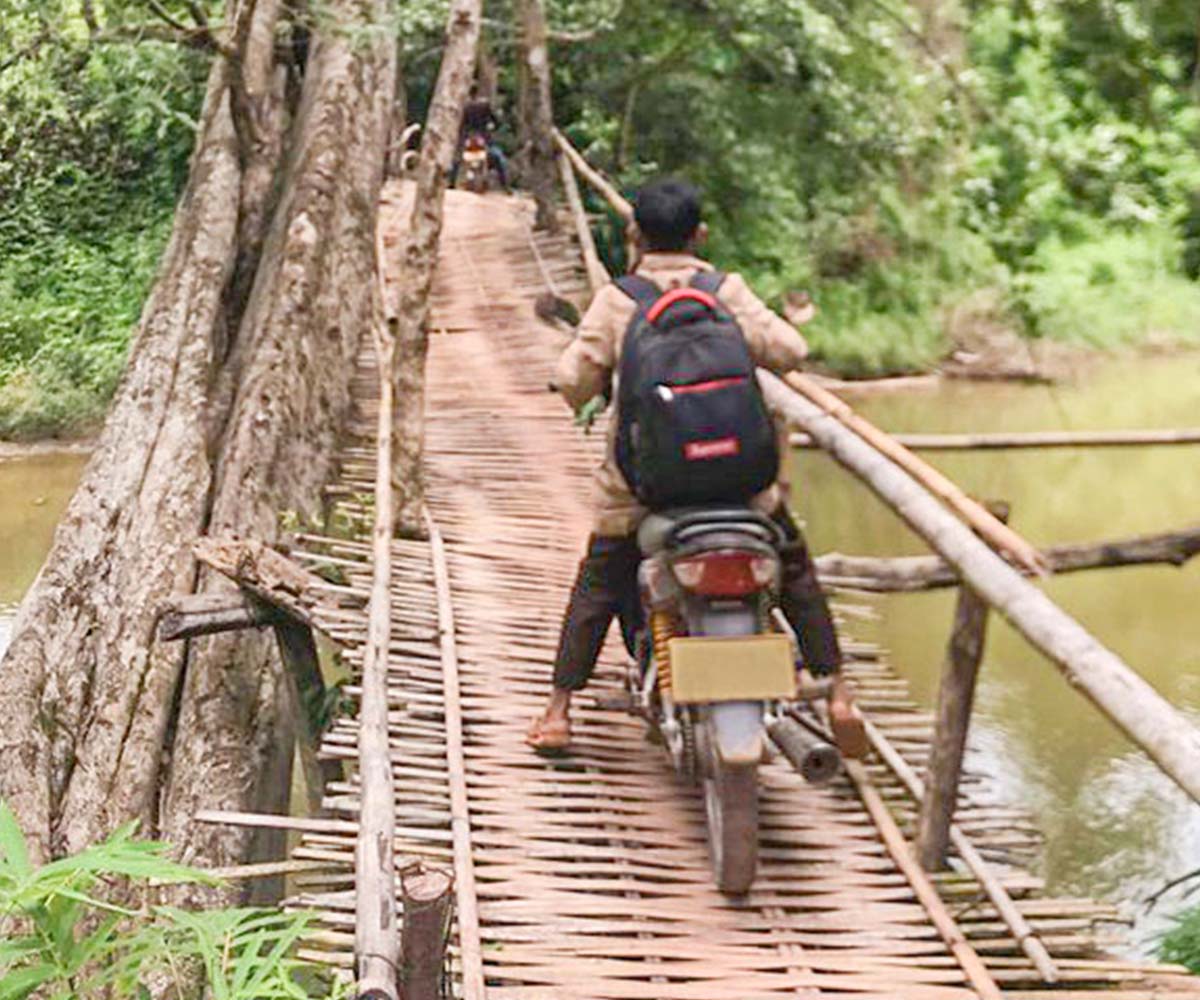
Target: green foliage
895,169
61,937
94,141
1182,942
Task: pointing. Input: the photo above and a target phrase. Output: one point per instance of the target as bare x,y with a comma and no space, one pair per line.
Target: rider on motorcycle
669,232
480,118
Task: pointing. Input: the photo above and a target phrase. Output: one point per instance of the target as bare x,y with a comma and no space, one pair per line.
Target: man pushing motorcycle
669,234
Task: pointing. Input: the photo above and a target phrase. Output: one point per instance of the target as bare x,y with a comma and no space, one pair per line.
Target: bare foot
846,720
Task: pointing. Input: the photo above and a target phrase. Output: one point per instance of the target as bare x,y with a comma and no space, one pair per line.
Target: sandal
549,737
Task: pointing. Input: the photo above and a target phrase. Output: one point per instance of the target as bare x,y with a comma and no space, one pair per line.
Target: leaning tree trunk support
1143,714
411,325
956,702
537,111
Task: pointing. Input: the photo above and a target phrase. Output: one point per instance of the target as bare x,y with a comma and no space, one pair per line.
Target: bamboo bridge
587,876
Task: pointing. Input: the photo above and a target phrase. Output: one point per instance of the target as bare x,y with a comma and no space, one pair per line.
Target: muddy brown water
1114,826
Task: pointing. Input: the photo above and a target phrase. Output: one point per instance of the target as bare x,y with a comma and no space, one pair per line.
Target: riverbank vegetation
934,172
63,935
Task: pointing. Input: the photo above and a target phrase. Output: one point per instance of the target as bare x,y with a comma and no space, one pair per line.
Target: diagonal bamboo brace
991,529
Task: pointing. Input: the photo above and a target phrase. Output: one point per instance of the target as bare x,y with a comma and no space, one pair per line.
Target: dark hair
667,212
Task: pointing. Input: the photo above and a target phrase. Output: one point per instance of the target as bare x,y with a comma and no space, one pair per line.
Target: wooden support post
298,650
428,896
956,700
956,697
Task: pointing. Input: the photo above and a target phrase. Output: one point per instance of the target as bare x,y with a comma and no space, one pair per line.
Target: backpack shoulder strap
642,290
708,281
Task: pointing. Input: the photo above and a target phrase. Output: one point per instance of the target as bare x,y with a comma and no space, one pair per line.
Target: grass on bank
64,936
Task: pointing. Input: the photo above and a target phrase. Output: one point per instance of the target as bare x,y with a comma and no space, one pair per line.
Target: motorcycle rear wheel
731,804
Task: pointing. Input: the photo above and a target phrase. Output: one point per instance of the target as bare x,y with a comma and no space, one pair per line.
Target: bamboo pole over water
1136,708
1034,439
970,511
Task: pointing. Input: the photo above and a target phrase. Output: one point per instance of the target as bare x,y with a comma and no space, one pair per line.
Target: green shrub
1116,288
1182,942
63,938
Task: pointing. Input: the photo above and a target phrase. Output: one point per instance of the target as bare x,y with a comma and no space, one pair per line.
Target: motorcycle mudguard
736,731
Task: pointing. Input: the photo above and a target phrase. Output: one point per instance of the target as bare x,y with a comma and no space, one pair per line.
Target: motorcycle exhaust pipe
817,761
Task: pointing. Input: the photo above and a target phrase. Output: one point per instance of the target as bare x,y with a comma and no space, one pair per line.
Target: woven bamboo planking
591,871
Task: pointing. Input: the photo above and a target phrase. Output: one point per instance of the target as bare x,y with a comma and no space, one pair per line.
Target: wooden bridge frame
988,578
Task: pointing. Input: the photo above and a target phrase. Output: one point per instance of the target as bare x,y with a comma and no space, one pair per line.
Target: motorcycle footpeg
618,702
817,761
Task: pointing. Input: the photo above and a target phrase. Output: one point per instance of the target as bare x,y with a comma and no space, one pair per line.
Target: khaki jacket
586,368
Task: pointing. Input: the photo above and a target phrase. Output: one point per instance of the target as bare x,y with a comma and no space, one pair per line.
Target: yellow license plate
732,668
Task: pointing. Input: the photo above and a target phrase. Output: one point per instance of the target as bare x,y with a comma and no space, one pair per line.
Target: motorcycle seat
666,528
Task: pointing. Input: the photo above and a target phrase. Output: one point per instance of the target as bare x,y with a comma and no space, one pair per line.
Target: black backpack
692,425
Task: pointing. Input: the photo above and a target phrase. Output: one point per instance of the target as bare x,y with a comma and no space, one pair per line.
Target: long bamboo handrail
1034,439
1118,691
596,274
376,934
1000,535
610,194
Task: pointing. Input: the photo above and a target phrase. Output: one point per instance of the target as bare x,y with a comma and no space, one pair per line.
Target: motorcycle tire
731,805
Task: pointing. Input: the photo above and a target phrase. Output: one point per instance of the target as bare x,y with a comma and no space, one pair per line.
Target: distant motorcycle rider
669,232
480,118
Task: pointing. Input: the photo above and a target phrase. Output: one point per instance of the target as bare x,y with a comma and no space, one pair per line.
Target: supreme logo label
698,451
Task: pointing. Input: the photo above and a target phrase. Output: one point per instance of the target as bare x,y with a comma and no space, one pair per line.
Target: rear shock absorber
662,631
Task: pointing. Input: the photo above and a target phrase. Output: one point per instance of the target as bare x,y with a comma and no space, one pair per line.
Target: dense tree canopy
1030,165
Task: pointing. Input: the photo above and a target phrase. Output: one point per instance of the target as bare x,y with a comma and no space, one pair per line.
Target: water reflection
1115,827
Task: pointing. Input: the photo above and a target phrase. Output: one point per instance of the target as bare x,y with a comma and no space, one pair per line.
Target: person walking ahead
667,214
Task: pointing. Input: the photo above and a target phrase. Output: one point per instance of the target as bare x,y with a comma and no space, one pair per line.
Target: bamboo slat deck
588,875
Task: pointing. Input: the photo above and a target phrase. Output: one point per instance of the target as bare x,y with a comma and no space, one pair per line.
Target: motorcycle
716,670
475,172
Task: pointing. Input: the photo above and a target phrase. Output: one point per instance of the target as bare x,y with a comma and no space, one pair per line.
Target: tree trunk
87,696
399,121
208,426
313,298
411,326
536,125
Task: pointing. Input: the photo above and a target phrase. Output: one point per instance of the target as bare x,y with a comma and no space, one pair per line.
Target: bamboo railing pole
1136,708
596,274
973,513
376,935
911,573
980,979
1034,439
470,946
610,194
1024,935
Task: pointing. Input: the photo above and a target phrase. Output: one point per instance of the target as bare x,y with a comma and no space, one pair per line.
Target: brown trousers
606,587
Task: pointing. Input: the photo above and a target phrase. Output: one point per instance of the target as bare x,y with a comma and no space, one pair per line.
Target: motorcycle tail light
725,573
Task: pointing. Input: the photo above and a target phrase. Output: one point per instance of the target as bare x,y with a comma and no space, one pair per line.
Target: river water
1114,826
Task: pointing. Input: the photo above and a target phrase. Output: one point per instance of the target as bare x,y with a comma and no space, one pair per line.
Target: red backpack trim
680,295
